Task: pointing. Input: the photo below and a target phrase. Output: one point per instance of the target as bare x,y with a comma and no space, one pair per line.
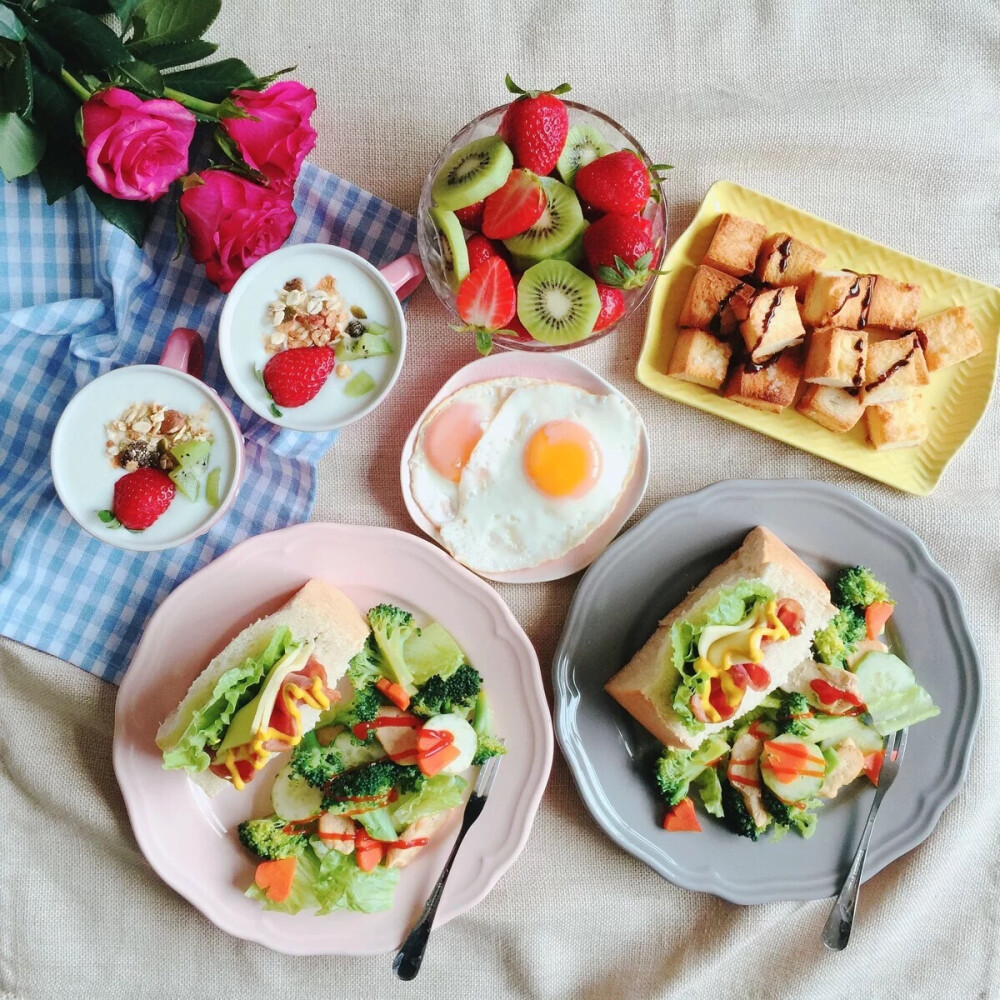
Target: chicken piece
421,829
850,763
836,677
342,830
399,742
743,772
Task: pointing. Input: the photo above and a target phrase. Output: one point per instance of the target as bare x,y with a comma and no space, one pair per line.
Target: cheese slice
254,716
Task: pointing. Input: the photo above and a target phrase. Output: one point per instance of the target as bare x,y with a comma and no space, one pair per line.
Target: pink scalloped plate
549,368
190,839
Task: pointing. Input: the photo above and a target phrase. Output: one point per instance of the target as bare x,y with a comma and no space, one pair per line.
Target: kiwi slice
472,172
192,455
557,302
584,144
212,494
560,223
187,481
451,240
573,253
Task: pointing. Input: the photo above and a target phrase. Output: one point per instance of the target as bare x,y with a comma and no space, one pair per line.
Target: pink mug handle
403,274
184,351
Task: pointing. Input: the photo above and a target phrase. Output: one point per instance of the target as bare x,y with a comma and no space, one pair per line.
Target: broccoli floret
410,778
793,713
361,788
314,763
482,722
440,695
857,587
836,641
391,627
676,769
267,838
736,814
365,667
363,706
789,817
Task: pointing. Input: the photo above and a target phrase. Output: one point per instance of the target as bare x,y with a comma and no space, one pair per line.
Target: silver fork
407,961
837,931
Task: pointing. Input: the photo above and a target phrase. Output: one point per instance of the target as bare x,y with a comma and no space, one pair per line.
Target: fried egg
545,474
447,439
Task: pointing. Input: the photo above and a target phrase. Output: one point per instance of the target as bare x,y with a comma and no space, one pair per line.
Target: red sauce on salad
362,729
828,694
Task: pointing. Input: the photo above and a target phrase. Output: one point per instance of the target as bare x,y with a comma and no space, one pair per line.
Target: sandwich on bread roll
265,690
738,635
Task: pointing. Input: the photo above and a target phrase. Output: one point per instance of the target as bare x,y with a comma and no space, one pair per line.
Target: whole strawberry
620,250
617,182
140,498
294,377
535,127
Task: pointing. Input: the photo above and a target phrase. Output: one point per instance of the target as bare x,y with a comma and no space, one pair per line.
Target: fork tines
486,777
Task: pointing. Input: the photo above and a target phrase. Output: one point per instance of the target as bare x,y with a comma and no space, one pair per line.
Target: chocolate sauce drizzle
783,249
852,293
857,380
892,369
715,323
866,302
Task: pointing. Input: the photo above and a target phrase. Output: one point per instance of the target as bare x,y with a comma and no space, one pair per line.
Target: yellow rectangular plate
956,397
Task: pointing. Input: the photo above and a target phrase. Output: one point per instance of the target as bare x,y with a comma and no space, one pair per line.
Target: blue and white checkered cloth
78,298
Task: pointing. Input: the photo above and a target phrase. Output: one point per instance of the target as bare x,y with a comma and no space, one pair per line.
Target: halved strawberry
612,307
480,250
487,300
471,216
516,207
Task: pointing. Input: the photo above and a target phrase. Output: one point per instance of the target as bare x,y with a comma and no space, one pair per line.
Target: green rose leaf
21,146
141,75
159,22
124,9
180,53
61,170
49,59
10,25
55,108
212,82
16,91
132,217
94,46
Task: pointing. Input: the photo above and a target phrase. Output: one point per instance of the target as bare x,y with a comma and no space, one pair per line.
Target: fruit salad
542,223
162,452
314,333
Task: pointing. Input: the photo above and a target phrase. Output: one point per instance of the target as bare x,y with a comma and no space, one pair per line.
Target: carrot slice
432,762
876,615
396,693
368,852
873,765
275,878
682,818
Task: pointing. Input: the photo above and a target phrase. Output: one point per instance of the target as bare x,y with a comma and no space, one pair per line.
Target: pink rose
277,143
135,149
231,222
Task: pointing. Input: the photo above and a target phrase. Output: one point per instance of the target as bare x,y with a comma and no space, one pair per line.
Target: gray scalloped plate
647,571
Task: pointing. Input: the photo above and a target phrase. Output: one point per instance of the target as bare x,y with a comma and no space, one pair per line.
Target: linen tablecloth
881,117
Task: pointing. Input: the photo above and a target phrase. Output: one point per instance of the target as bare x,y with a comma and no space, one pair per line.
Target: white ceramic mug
244,327
84,475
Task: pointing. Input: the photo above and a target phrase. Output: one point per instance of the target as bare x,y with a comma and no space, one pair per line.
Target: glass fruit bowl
591,134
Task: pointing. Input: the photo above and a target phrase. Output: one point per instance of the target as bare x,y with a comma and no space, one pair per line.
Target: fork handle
407,961
837,931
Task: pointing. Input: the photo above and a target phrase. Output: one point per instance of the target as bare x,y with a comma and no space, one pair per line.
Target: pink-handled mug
254,322
84,445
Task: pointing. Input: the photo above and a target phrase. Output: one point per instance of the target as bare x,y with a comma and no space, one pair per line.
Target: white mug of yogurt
336,305
145,437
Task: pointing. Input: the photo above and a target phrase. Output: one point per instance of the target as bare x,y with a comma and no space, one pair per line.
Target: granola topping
142,436
306,317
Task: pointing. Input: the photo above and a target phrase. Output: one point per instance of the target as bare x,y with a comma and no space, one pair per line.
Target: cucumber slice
464,740
892,695
292,797
850,727
800,786
212,487
355,754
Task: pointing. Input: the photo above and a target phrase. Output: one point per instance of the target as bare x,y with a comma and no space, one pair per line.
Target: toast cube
715,301
784,260
700,357
835,409
772,325
893,304
948,338
835,298
735,245
836,357
771,387
894,370
902,424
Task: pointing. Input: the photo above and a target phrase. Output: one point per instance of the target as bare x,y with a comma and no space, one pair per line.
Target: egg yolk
451,437
562,459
